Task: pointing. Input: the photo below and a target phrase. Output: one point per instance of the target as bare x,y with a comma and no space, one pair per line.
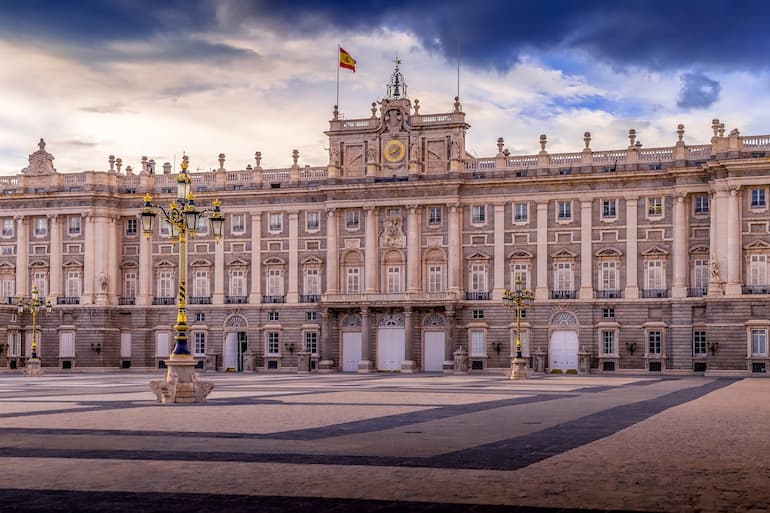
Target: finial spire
397,86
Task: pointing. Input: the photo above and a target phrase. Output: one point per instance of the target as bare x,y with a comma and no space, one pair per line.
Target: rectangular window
564,210
435,278
608,279
203,226
201,284
8,288
478,278
200,343
73,225
162,342
41,227
312,282
699,343
272,316
608,342
608,313
700,273
478,314
563,278
478,343
478,214
656,279
276,222
131,226
311,342
129,284
759,341
394,279
655,207
41,280
520,212
238,223
758,198
273,343
520,271
311,316
353,280
653,342
200,317
434,216
8,227
73,284
237,283
353,220
165,228
312,221
609,209
758,270
275,282
701,204
166,284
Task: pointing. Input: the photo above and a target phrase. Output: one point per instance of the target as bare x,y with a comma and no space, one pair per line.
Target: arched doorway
236,342
391,342
434,342
563,345
351,342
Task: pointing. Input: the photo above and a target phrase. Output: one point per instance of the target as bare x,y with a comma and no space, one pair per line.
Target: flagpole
338,77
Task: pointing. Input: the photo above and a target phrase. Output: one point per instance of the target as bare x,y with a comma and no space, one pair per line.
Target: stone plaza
385,442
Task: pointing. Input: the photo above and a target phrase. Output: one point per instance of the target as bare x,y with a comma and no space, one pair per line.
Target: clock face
394,151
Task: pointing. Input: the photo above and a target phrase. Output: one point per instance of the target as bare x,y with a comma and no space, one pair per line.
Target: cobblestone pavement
406,443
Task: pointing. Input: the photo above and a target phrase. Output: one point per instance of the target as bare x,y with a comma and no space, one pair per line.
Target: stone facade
397,253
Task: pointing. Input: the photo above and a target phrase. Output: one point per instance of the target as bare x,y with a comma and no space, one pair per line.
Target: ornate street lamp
182,216
33,305
518,298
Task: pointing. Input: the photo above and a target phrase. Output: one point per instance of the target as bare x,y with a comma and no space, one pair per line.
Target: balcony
654,293
756,289
11,300
236,300
423,297
478,296
309,298
126,300
697,292
609,294
563,294
164,301
200,300
273,299
68,300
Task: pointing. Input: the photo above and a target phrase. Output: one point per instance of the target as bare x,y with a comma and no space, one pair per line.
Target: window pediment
564,254
312,261
655,252
72,263
478,256
237,262
38,264
275,261
165,263
699,250
521,255
757,245
608,253
201,263
7,265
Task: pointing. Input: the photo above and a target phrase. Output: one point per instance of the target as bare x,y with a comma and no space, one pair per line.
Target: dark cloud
698,91
104,109
655,34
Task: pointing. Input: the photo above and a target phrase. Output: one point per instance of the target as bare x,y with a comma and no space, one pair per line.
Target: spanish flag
346,61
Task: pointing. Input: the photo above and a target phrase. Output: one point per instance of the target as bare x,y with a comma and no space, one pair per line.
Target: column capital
331,212
680,196
369,209
20,217
293,215
631,198
586,203
734,190
542,205
413,209
53,217
364,311
257,216
453,206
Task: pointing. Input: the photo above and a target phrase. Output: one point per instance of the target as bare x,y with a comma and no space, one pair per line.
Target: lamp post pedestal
33,367
181,384
519,368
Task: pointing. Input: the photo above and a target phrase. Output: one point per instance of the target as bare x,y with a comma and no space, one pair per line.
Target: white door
563,349
434,351
351,351
125,344
231,351
391,348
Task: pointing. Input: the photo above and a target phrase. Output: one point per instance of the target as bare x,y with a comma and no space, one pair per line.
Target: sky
159,78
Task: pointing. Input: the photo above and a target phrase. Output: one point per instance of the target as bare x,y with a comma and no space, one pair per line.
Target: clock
394,151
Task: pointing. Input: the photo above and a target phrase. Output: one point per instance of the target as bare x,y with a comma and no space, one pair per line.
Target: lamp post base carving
33,367
181,385
519,368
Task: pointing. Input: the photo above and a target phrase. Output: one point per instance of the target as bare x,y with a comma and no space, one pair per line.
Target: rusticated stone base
33,367
519,369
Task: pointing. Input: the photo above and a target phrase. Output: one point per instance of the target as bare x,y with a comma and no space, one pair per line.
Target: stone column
22,257
332,253
449,345
679,288
586,251
715,284
326,364
413,251
219,274
409,364
89,263
256,269
113,261
101,254
370,251
144,296
733,287
541,289
365,365
632,251
499,262
454,243
722,199
55,286
292,293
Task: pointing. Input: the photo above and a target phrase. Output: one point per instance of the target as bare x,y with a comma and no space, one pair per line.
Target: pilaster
55,285
541,289
586,253
733,287
499,258
370,250
218,297
89,264
413,250
22,257
679,287
256,270
332,253
292,293
632,249
454,243
144,297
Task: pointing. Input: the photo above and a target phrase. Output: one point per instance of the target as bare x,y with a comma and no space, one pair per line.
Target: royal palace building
395,256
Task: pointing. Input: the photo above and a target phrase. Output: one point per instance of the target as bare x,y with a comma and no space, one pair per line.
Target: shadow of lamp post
182,384
33,366
518,299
